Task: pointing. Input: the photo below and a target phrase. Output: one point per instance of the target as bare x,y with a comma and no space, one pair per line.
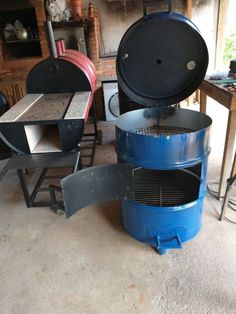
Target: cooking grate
163,130
165,188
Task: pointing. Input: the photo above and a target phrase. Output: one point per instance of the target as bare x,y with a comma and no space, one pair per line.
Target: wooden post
203,100
220,31
189,5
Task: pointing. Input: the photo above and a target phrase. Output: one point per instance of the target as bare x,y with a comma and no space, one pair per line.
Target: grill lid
161,60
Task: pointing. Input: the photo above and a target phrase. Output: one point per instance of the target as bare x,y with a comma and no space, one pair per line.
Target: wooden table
227,99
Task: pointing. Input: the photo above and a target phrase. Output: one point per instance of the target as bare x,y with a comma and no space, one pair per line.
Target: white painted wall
204,15
115,19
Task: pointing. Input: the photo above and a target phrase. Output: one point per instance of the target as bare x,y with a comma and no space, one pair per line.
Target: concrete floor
88,264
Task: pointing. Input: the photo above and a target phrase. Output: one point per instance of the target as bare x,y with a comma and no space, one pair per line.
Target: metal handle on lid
152,3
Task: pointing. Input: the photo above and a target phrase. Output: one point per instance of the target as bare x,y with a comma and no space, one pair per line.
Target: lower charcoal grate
163,130
163,188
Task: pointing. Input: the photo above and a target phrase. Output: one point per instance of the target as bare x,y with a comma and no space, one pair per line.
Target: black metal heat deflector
100,183
124,181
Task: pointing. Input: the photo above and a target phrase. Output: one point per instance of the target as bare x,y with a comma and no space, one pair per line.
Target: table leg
24,187
233,170
203,98
228,153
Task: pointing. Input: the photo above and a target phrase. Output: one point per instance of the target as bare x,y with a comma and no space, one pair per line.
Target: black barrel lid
161,60
56,75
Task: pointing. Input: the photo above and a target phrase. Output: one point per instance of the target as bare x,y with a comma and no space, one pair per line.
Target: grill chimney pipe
50,39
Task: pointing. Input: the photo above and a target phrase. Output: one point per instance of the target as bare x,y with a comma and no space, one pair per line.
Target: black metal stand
3,172
45,162
226,200
90,138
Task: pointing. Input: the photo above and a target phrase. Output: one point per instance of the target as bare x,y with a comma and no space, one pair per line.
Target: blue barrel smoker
162,150
170,155
170,146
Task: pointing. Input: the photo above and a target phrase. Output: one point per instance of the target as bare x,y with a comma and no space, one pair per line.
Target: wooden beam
189,6
220,32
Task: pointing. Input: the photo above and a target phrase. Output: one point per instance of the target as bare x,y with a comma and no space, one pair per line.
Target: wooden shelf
83,23
19,41
17,57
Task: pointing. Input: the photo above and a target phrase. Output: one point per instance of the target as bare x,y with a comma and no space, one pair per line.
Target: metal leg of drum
161,251
77,163
29,198
95,133
91,137
57,206
3,172
93,153
38,185
230,182
95,119
80,164
24,187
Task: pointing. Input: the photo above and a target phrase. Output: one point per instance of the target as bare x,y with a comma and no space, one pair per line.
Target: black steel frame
46,161
91,137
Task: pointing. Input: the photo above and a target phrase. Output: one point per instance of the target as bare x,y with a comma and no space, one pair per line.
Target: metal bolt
191,65
125,56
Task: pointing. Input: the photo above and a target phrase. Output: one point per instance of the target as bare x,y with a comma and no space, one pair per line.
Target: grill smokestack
50,39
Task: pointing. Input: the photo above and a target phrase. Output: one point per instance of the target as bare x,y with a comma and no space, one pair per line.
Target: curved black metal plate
162,59
14,137
96,184
56,76
70,133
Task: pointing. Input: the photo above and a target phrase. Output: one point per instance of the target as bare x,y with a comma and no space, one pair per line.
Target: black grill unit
46,126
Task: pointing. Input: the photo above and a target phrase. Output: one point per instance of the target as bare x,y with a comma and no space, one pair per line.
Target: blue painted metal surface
164,151
164,227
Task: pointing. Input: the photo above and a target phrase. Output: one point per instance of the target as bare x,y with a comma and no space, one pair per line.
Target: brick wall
105,66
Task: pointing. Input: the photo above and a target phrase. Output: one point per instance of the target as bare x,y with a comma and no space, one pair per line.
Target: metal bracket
152,3
168,240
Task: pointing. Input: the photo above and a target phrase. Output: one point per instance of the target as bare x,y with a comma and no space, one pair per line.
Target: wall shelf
17,57
14,48
20,41
85,24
